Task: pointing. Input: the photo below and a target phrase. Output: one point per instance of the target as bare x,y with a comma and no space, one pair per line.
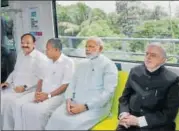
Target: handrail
123,50
123,39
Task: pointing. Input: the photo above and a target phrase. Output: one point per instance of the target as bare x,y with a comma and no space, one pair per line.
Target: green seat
177,122
111,122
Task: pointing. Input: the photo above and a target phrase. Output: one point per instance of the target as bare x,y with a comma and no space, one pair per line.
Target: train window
125,26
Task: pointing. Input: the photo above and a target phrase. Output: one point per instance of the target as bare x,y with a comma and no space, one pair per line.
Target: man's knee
18,103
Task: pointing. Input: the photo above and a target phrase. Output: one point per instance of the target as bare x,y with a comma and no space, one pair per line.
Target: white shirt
27,69
57,73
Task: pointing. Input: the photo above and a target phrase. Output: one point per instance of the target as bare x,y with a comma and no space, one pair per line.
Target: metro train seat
111,122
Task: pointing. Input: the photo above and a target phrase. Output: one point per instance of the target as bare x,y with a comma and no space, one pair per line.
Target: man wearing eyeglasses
150,99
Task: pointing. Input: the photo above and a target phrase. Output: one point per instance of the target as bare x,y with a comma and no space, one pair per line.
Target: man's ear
165,60
101,48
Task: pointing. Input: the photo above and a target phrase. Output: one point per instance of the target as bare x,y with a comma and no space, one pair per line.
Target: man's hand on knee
36,97
77,108
42,96
122,123
19,89
130,120
4,85
68,105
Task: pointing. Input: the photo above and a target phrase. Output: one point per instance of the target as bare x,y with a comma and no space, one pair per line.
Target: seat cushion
177,122
110,123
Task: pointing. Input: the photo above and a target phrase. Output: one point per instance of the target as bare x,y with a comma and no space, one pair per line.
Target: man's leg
54,123
6,100
122,128
61,120
6,95
12,114
36,115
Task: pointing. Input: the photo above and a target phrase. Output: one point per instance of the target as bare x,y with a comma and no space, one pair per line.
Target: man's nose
148,56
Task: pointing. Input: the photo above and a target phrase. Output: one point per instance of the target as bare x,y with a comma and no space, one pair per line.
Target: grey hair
97,40
159,45
56,43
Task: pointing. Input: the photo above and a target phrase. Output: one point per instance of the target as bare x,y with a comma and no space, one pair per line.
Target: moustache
25,47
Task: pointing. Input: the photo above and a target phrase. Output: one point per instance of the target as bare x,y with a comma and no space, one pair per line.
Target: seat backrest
177,122
122,78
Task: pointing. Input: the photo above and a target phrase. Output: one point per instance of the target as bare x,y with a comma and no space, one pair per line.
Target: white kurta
94,83
27,115
26,72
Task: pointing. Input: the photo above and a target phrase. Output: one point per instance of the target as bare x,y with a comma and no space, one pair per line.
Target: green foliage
70,17
98,14
131,19
100,28
96,28
155,29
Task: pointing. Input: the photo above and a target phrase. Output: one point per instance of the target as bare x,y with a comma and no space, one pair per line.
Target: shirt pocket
57,76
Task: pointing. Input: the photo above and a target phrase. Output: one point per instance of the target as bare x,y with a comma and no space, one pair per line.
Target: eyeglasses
152,55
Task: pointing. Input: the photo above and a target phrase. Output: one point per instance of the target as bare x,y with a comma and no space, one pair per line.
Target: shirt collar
60,59
156,72
33,53
95,58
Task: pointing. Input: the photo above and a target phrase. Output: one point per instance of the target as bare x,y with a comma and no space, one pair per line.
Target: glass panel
125,26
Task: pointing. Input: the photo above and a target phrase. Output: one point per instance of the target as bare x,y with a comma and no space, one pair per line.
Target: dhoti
27,115
9,96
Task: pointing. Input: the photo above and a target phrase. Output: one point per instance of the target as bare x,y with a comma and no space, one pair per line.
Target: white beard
152,70
91,56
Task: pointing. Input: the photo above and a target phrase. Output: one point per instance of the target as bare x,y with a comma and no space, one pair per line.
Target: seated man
88,95
150,99
32,111
25,74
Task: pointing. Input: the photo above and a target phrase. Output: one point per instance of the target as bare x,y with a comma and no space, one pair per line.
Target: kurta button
147,88
141,110
143,97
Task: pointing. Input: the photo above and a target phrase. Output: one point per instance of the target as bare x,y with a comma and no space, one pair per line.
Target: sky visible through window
109,6
115,20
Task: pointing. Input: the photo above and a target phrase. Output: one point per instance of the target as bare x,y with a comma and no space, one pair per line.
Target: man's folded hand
19,89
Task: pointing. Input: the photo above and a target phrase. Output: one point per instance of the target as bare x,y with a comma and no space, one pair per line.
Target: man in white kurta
32,111
25,74
88,95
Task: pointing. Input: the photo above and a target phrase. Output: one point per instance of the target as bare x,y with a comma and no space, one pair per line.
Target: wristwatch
49,96
86,107
25,87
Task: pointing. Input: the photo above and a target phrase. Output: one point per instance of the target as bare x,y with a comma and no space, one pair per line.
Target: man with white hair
150,99
88,95
32,111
